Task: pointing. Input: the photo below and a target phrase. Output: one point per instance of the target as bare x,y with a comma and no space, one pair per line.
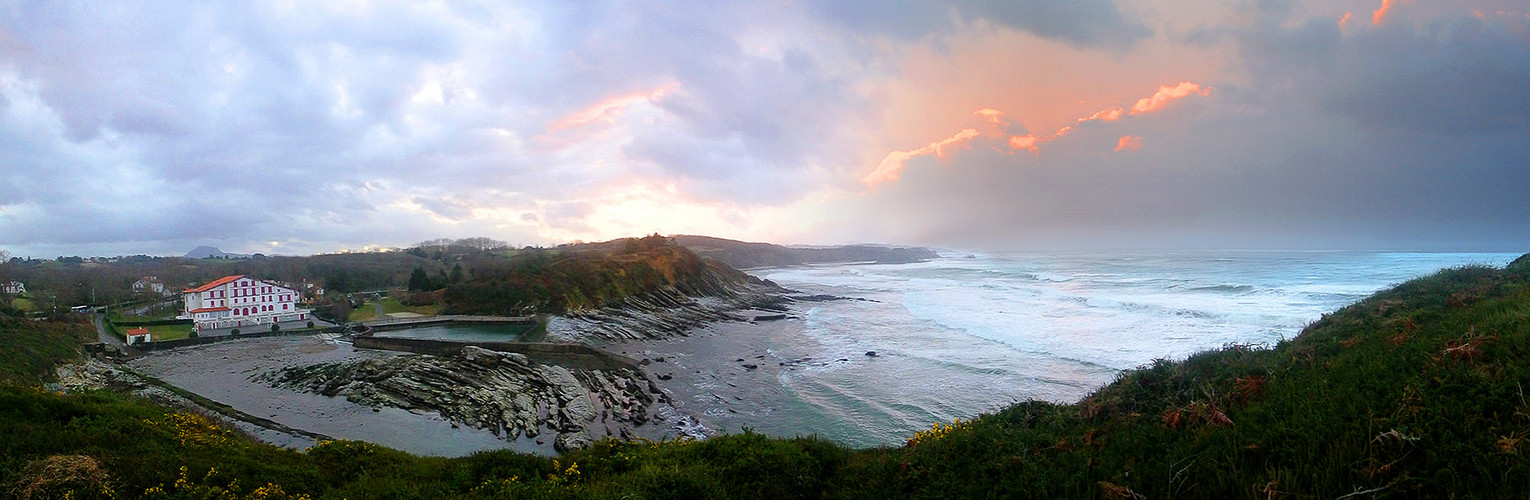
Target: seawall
552,353
399,323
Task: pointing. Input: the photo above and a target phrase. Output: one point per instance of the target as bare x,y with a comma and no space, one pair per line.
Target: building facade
13,288
149,284
235,301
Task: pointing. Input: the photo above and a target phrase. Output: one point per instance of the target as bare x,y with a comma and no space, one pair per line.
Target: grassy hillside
1417,391
584,277
29,350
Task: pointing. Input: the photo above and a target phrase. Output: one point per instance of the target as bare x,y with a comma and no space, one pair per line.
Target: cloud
998,127
1086,23
609,109
892,165
1402,136
384,123
1380,15
1166,95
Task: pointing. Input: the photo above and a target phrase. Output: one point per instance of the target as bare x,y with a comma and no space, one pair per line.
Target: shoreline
223,373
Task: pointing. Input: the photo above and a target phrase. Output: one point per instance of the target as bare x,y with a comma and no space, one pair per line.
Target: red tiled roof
207,309
138,331
215,283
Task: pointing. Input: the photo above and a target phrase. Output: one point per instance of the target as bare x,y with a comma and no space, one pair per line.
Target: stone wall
561,354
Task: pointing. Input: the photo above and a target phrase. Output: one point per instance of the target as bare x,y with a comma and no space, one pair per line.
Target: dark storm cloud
1398,136
1086,23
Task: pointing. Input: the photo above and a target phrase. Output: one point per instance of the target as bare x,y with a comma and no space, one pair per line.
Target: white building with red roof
234,301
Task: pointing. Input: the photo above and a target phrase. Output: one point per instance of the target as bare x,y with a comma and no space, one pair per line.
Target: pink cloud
1380,15
891,166
1027,142
1166,95
609,109
1344,22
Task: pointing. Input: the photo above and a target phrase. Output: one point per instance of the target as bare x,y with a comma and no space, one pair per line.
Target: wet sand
222,372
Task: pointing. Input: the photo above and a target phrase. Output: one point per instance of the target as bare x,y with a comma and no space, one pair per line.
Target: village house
149,284
13,288
235,301
138,336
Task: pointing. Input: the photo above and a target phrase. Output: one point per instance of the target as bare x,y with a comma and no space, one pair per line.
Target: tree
455,277
341,310
418,280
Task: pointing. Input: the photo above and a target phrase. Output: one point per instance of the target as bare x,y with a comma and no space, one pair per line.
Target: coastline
222,372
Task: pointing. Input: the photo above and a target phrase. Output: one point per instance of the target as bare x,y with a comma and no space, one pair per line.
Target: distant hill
207,252
743,255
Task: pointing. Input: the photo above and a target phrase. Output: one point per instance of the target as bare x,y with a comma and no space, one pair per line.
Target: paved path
101,333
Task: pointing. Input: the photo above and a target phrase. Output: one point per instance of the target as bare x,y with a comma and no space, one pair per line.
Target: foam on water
959,336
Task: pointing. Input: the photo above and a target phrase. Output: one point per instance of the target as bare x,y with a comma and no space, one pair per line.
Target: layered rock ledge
507,393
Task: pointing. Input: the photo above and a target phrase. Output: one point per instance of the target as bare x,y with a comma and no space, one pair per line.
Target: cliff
745,255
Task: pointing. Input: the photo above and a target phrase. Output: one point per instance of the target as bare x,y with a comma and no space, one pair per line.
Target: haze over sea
961,335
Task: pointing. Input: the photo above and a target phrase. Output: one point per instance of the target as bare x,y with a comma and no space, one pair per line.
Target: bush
192,335
234,332
310,324
276,327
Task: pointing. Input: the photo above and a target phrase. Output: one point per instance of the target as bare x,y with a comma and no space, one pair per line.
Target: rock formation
503,392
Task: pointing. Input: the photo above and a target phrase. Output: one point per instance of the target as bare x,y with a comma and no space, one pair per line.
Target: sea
970,333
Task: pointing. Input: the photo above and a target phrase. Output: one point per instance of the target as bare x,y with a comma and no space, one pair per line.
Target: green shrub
234,332
192,335
310,324
276,327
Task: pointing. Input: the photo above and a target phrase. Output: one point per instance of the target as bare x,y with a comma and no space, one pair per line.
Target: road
101,333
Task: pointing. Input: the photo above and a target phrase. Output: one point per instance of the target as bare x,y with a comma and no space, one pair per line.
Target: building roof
214,284
207,309
138,331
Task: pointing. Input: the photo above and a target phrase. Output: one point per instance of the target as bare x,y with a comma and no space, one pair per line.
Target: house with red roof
235,301
138,336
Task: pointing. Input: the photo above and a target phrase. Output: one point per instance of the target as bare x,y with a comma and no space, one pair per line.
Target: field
390,305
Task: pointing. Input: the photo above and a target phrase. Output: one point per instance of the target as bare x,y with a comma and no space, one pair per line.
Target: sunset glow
892,165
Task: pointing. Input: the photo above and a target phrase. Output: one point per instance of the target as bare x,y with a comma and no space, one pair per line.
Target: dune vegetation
1417,391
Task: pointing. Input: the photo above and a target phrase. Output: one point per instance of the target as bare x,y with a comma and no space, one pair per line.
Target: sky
296,128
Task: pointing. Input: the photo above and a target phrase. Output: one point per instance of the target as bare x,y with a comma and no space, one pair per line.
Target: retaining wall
398,323
161,345
561,354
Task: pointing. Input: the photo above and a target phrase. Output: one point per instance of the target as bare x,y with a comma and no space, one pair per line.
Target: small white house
234,301
138,336
13,288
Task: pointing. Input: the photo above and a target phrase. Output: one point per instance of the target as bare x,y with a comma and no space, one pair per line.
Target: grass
169,332
391,305
24,305
1417,391
29,350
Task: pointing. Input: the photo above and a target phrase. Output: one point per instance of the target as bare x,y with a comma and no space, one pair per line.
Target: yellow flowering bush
207,487
192,430
936,432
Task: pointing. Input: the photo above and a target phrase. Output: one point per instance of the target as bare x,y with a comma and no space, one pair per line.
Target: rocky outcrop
715,296
503,392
